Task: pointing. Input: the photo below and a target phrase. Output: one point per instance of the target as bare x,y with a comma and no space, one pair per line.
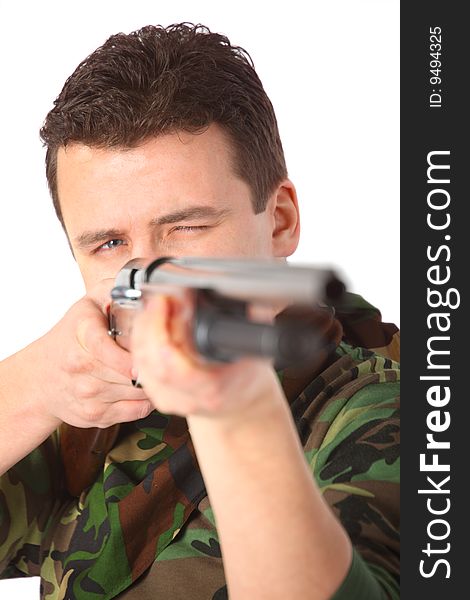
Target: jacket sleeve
356,465
30,497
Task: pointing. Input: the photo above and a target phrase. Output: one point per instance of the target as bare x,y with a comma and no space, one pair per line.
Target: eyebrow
193,212
91,238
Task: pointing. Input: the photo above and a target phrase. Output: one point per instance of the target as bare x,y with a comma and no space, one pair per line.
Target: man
163,142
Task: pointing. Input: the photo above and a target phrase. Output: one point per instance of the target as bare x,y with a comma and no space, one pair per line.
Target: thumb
100,293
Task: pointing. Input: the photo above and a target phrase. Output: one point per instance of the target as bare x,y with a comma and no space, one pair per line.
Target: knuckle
75,360
104,424
93,413
86,389
144,410
84,365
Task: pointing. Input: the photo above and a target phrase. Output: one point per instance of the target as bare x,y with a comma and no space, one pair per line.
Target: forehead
162,155
174,169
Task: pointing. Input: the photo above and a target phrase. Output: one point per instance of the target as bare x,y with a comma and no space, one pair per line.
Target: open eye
109,245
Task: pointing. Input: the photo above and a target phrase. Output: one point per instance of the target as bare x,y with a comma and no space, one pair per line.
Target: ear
286,220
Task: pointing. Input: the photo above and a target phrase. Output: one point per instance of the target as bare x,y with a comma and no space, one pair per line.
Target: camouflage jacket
145,528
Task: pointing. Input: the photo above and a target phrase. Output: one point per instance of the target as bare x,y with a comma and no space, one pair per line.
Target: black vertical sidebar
435,231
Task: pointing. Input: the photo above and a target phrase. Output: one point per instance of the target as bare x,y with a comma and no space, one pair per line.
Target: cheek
256,239
93,275
251,237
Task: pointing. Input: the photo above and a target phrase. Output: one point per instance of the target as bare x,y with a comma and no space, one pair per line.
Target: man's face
175,195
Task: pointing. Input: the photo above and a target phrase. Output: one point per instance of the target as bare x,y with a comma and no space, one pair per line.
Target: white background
331,70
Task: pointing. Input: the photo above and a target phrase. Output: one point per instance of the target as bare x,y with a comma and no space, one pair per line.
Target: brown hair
158,80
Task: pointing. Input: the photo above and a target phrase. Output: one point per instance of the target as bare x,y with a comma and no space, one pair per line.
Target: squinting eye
110,245
190,228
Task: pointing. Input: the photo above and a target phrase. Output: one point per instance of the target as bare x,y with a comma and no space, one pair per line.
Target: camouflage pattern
362,325
145,528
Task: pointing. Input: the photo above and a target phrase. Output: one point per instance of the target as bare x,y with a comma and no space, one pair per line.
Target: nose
144,251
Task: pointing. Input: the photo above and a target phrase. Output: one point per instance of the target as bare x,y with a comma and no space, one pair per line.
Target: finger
114,393
108,375
150,337
156,315
100,293
123,411
181,314
155,356
92,335
131,410
88,389
151,327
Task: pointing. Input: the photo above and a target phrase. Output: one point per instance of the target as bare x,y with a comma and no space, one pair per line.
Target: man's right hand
75,373
81,375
